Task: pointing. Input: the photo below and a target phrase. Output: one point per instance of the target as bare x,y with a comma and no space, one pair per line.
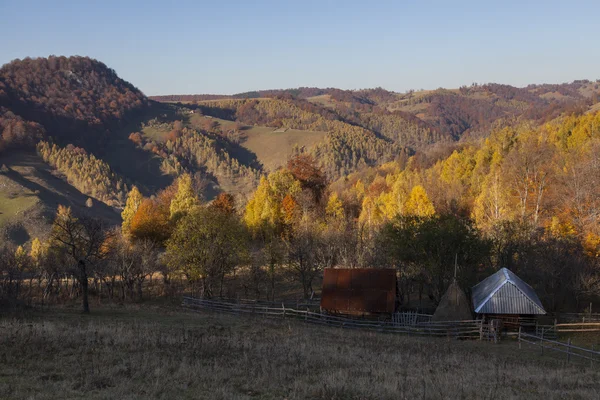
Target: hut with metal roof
453,306
359,290
505,294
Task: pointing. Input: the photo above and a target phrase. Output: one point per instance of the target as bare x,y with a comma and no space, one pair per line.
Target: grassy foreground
170,353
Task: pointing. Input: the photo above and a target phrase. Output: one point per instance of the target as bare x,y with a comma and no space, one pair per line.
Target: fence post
592,355
519,339
542,342
569,350
496,333
283,306
480,330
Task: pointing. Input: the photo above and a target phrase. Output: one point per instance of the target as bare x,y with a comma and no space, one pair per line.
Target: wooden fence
577,317
410,318
475,329
570,350
549,331
578,327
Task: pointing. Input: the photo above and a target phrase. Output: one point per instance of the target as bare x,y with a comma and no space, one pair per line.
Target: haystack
454,305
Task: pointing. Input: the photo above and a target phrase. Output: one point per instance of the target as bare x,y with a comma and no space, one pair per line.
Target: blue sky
234,46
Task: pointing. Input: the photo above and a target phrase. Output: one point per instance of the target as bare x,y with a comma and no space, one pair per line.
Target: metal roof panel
505,293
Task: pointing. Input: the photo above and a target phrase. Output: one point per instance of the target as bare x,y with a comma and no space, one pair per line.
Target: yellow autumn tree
20,258
258,208
134,199
38,251
265,204
185,199
591,245
335,207
334,211
561,229
418,203
370,214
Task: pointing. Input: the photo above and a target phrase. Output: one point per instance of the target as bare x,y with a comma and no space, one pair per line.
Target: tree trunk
83,280
221,284
140,287
272,273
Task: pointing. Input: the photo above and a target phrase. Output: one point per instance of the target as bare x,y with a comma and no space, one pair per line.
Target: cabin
507,297
359,291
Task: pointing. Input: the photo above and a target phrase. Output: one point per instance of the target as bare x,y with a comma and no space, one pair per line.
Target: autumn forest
107,193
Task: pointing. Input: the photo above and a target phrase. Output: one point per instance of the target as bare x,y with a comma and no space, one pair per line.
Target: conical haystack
454,306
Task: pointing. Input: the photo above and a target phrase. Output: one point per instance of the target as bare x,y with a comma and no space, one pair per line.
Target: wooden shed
359,290
505,296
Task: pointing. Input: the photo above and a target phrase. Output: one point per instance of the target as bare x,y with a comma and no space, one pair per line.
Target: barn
505,296
359,291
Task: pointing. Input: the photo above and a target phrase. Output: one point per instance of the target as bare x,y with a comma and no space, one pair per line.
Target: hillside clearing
273,148
13,203
169,353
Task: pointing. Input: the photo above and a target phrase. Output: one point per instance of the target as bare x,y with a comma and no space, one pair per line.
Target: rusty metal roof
359,290
505,293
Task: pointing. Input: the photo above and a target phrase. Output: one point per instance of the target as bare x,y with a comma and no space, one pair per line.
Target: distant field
14,203
197,121
274,148
322,100
163,352
156,134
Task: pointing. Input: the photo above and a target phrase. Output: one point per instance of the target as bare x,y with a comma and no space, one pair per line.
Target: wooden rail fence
475,329
553,345
578,327
578,317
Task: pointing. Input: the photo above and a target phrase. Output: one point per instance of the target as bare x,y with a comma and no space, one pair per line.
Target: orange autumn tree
224,202
306,170
152,219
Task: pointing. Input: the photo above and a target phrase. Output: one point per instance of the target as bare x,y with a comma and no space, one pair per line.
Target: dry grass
167,353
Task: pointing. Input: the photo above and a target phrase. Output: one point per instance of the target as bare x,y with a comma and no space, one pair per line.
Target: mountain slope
97,135
30,192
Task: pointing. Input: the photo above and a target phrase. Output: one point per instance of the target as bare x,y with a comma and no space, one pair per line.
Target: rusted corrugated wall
360,290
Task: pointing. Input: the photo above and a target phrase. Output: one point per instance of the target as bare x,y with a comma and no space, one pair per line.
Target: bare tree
82,239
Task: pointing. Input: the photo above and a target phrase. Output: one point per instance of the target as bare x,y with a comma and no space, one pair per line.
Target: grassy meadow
164,352
274,148
14,203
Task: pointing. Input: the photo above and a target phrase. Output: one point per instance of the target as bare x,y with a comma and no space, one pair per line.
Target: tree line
90,175
296,224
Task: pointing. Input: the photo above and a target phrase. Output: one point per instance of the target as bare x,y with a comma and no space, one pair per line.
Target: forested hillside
102,136
451,113
346,148
84,122
78,99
